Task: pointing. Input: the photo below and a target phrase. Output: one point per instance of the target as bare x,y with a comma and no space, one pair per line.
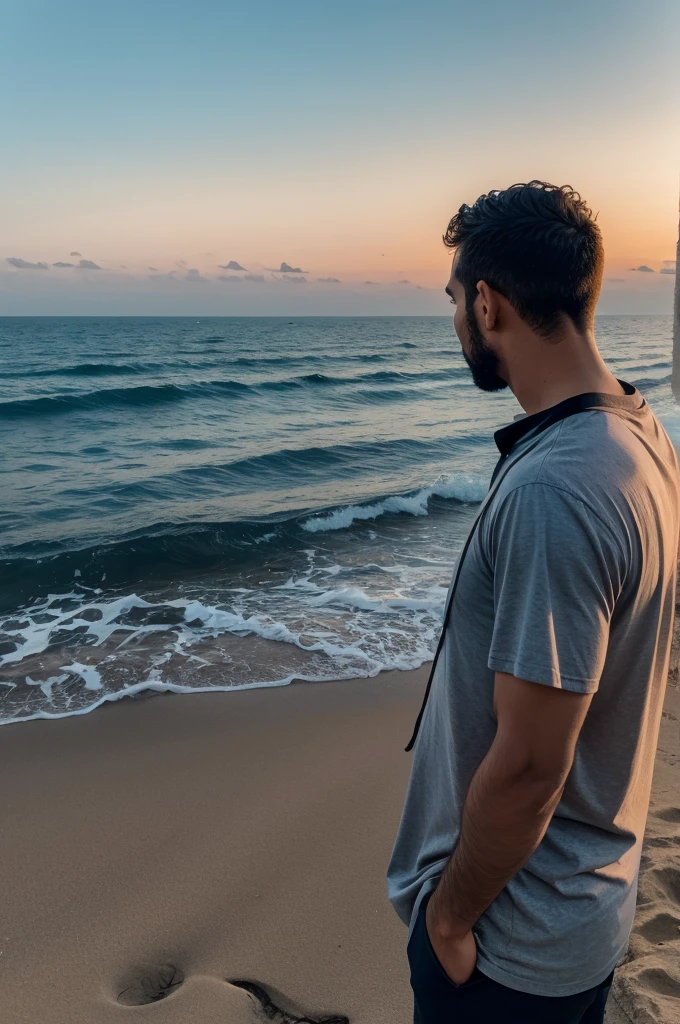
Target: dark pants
437,1000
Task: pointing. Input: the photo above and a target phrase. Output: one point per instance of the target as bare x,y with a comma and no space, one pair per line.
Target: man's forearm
506,813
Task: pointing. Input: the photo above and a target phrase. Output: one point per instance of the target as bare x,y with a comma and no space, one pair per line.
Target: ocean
218,503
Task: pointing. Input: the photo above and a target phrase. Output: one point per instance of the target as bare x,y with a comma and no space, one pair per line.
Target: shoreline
180,842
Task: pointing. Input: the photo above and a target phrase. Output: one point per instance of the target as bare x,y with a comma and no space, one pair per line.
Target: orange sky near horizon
340,142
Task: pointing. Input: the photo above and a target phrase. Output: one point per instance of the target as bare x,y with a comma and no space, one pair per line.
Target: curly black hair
538,245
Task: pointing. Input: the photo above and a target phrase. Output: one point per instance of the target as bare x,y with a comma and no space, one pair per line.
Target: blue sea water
217,503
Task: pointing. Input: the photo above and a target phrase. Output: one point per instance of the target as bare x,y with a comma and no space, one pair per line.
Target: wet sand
172,845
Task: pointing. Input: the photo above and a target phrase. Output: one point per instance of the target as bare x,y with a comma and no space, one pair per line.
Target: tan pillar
675,380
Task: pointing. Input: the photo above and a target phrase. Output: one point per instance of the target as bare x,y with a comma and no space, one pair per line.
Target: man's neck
559,370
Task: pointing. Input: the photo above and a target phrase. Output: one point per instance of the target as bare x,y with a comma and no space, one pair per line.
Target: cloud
371,282
644,268
193,275
403,282
75,254
293,280
155,269
231,265
285,268
15,261
667,270
81,264
249,278
615,280
668,267
328,280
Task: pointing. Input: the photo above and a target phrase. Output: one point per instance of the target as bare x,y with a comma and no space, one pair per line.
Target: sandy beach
173,845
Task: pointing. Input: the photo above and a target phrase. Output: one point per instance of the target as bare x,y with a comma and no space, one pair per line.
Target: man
515,864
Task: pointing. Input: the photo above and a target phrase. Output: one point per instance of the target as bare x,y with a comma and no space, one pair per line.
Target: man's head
527,258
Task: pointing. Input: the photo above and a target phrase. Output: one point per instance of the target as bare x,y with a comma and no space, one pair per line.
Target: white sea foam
355,597
89,674
45,684
205,620
36,635
353,643
349,662
266,537
461,487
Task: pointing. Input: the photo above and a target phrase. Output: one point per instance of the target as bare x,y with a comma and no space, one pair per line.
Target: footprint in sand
666,880
151,983
662,927
671,814
276,1013
659,982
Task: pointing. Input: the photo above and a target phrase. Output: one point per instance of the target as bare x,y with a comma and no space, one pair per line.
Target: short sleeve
557,572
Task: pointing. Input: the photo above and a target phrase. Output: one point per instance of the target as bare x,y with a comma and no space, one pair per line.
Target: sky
149,145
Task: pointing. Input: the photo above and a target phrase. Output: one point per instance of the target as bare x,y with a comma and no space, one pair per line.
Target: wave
87,370
300,465
46,406
162,553
398,375
148,394
649,383
362,357
644,367
276,360
462,488
166,551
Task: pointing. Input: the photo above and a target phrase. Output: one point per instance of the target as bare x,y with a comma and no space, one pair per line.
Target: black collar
507,437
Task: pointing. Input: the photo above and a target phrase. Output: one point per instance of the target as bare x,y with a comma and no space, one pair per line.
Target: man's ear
488,305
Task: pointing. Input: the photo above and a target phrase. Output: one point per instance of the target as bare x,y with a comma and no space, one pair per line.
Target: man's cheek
459,328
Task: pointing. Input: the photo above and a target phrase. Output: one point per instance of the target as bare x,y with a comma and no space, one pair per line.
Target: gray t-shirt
568,581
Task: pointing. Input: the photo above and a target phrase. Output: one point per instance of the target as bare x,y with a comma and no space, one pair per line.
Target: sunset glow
338,142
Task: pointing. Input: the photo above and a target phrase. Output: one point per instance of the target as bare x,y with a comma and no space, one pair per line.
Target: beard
482,360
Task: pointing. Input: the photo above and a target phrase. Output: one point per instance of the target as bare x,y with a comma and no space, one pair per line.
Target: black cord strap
495,481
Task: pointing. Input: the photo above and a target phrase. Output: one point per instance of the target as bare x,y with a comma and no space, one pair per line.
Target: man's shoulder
604,462
597,452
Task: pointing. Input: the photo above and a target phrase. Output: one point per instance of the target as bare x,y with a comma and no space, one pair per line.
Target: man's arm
509,804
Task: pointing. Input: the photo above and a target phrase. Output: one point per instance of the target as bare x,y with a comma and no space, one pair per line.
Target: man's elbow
537,782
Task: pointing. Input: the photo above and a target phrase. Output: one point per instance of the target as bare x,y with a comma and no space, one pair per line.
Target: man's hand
457,954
